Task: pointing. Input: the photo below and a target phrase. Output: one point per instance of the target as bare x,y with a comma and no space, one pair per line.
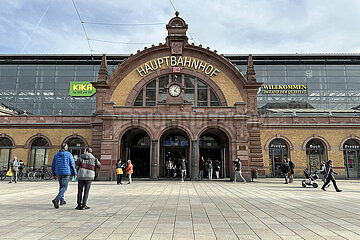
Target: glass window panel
295,67
353,73
260,67
334,86
276,67
202,95
7,83
152,84
4,158
139,99
163,81
189,82
200,84
335,73
353,67
295,73
294,80
340,67
339,80
213,99
273,80
189,95
276,73
150,97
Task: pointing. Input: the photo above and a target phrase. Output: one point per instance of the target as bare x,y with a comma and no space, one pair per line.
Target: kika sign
175,63
81,89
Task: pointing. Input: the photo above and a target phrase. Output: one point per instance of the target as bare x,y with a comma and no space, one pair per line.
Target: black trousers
83,186
328,181
119,176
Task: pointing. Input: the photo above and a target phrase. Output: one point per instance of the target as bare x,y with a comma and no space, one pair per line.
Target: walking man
183,169
237,165
291,171
86,172
201,167
62,167
14,165
329,175
285,169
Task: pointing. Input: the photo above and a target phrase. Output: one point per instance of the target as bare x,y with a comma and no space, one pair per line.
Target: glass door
352,164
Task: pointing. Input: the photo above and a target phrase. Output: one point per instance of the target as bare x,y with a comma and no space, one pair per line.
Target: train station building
177,100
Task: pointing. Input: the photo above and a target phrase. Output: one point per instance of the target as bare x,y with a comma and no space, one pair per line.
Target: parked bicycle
3,172
42,174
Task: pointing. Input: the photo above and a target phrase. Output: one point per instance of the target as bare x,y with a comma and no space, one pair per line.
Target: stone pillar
194,160
154,159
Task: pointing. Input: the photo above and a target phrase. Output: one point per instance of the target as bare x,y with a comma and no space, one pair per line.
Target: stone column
154,159
194,160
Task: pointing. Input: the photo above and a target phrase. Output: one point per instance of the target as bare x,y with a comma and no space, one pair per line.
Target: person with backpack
329,175
285,168
291,172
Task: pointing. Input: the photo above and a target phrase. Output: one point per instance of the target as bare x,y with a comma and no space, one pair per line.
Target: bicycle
42,174
3,173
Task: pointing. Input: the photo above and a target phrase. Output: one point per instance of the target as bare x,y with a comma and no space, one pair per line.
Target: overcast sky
229,26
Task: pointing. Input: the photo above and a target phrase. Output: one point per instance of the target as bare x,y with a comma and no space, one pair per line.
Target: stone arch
225,131
121,131
164,72
183,128
32,138
4,135
321,139
351,137
278,136
75,135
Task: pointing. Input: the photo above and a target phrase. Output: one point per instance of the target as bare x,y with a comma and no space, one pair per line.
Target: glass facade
39,85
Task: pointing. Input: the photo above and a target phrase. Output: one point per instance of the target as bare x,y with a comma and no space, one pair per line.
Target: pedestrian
14,166
322,171
217,168
291,171
174,170
237,165
183,169
119,171
329,175
169,167
21,168
285,168
201,167
129,170
62,167
210,168
86,174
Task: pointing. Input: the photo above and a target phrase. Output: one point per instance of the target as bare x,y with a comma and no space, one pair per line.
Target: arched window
5,152
196,91
39,153
76,147
315,152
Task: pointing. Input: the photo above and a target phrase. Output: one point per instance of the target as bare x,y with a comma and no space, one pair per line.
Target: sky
228,26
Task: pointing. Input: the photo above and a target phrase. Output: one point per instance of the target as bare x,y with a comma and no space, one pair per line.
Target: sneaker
62,202
84,207
56,203
339,190
78,207
10,182
285,183
323,189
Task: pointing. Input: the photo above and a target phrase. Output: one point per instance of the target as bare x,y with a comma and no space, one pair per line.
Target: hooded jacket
86,164
63,164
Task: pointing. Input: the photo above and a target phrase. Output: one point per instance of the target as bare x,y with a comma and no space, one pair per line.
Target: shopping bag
119,171
9,173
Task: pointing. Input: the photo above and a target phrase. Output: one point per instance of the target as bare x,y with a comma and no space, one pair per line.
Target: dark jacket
329,172
237,166
183,165
292,166
86,164
63,164
285,167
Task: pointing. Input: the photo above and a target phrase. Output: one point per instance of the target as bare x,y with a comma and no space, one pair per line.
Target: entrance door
351,158
174,154
278,151
136,147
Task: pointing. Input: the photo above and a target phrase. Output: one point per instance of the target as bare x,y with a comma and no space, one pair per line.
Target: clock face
174,90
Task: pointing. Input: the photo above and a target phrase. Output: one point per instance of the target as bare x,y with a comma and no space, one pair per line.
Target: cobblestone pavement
265,209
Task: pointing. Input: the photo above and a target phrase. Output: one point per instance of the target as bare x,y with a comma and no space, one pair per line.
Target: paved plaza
265,209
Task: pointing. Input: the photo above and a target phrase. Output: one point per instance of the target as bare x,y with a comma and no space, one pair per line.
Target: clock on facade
174,90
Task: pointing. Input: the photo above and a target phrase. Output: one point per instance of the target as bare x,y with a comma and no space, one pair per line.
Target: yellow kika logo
82,87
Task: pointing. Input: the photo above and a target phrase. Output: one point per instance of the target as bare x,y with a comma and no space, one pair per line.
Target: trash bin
254,174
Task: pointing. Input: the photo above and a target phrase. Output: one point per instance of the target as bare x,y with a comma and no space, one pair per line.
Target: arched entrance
351,150
315,154
213,144
278,150
5,152
135,145
174,146
76,147
39,153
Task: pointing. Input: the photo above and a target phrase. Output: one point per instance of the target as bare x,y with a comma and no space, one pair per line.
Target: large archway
135,146
174,145
214,145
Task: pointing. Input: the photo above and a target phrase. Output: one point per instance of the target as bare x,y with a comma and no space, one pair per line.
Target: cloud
231,26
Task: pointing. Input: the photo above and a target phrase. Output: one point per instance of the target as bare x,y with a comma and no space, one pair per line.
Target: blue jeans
201,174
63,184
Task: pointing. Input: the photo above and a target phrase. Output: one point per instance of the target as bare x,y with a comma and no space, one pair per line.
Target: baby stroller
310,178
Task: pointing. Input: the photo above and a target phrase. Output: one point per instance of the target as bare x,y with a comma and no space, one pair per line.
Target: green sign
81,89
